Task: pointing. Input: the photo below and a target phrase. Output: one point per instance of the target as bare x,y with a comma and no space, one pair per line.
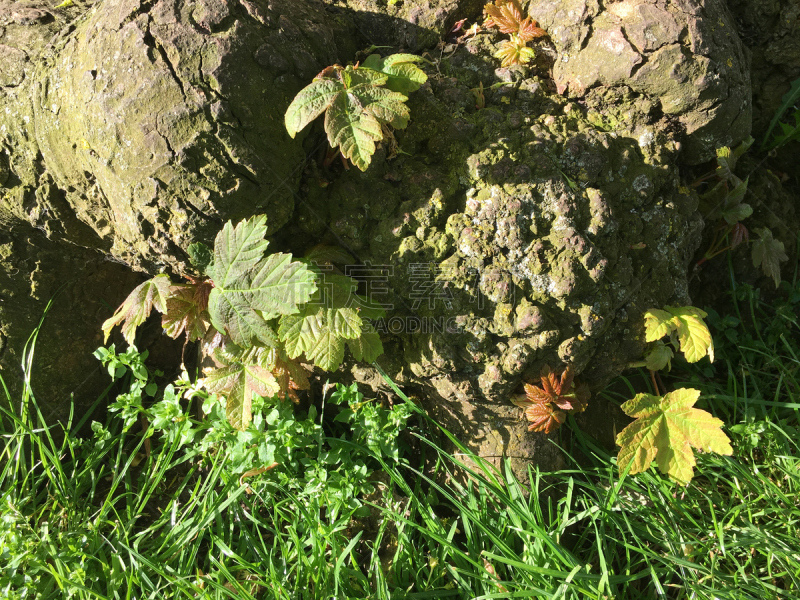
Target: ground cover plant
303,505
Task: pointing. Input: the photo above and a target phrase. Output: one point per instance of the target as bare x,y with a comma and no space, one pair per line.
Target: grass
177,515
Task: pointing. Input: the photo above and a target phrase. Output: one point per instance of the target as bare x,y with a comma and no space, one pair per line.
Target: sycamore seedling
724,203
359,102
546,407
667,427
687,333
507,16
258,314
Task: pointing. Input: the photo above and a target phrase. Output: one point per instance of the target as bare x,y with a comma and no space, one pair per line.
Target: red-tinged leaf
506,15
544,417
138,305
739,234
567,377
537,395
187,311
547,403
238,382
666,429
530,30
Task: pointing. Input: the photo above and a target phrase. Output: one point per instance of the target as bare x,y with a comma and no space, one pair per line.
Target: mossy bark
128,130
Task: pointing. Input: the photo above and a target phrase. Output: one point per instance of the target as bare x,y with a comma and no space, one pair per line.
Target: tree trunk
545,226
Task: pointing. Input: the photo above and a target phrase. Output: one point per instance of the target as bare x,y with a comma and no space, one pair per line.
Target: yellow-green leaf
693,335
666,430
657,324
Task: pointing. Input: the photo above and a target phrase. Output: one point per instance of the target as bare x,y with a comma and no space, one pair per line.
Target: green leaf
249,288
298,332
687,321
344,322
239,382
769,253
743,147
736,195
693,334
353,130
200,256
322,255
666,429
657,324
323,326
404,75
310,103
328,350
790,99
387,106
725,163
367,347
137,307
789,132
659,357
737,213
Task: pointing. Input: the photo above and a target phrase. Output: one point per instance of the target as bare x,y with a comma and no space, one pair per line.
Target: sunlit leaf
693,334
544,406
239,381
187,311
514,52
137,307
250,288
403,75
544,417
657,324
310,103
687,322
666,430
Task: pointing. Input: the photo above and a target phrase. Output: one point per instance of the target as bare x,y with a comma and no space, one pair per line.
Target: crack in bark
152,42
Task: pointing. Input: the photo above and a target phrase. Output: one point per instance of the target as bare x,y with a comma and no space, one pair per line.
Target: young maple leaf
153,293
507,16
239,380
687,322
666,429
187,310
544,417
544,406
514,52
769,253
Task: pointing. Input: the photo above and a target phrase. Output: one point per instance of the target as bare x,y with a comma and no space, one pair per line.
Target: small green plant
256,314
359,103
546,407
788,132
506,15
667,426
725,205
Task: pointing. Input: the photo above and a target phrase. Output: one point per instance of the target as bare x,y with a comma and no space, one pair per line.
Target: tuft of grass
184,508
